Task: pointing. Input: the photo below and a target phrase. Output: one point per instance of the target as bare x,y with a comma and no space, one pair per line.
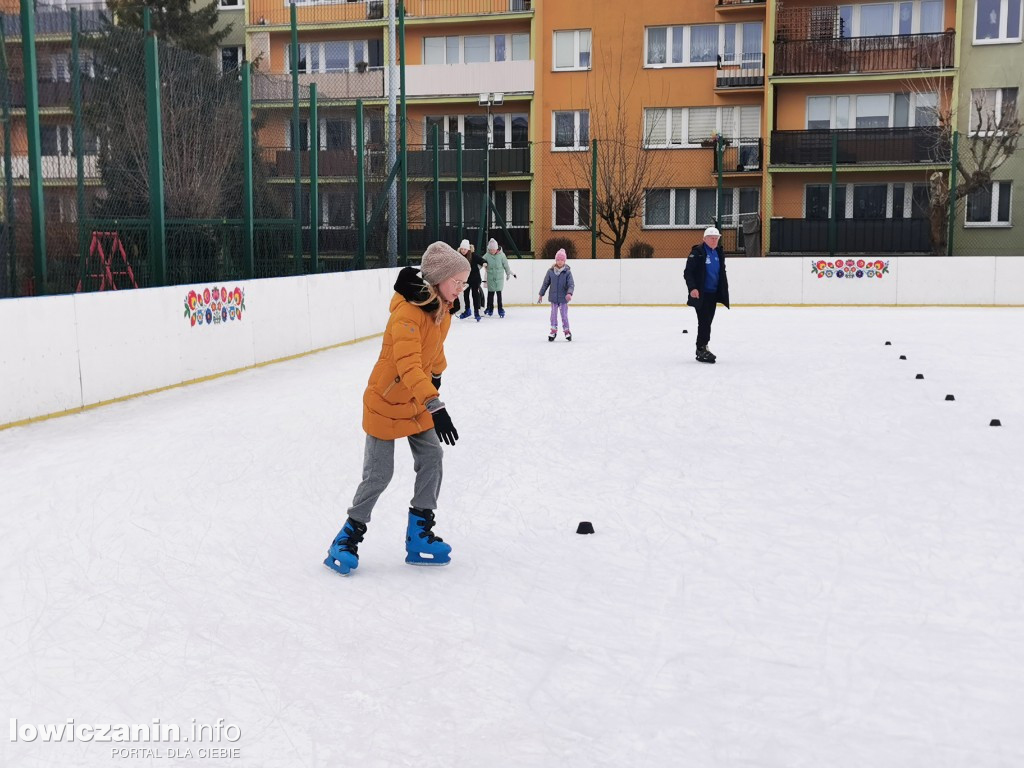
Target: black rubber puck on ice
585,527
919,376
950,397
903,357
995,423
685,331
888,343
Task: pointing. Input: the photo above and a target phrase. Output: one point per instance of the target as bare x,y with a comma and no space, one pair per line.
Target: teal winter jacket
497,270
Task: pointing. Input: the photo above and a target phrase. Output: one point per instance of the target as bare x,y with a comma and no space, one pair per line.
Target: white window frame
575,210
683,114
890,187
228,5
325,221
915,20
322,133
576,51
852,108
507,213
691,204
462,48
684,31
998,109
994,222
220,59
444,135
322,56
1004,36
65,137
576,146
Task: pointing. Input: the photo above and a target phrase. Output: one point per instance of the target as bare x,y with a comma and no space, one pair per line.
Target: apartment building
855,92
991,82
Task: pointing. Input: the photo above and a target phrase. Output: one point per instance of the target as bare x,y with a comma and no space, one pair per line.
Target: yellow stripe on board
211,377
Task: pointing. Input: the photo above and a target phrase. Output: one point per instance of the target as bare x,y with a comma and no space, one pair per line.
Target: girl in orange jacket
402,400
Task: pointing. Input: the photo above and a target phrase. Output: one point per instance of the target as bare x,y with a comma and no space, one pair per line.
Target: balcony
861,55
55,21
330,85
52,93
469,79
853,236
280,163
55,167
728,5
428,8
274,13
743,156
747,74
859,146
509,161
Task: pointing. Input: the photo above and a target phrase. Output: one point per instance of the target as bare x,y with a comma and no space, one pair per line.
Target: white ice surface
803,557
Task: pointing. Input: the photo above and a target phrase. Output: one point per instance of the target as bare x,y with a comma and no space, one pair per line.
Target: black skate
705,355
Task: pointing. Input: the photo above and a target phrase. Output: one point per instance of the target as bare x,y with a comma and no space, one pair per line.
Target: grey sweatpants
379,467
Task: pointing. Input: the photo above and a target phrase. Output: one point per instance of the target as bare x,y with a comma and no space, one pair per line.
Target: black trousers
705,308
490,301
478,298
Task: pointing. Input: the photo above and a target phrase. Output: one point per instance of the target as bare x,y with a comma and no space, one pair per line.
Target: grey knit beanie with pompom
440,262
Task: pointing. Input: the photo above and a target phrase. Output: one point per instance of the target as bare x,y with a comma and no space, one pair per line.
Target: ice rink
804,556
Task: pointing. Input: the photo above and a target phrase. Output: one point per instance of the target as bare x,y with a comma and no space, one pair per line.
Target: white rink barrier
64,353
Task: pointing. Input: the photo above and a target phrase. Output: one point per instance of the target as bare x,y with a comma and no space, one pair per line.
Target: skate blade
337,567
417,559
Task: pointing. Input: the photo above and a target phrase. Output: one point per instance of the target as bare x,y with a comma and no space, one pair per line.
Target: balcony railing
859,146
470,79
419,239
52,93
741,156
55,167
330,85
749,73
739,3
510,161
275,13
853,236
846,55
55,21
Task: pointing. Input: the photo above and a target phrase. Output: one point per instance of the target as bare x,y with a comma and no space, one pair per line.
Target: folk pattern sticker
213,306
849,268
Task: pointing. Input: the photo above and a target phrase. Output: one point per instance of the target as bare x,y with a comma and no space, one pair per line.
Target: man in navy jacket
708,286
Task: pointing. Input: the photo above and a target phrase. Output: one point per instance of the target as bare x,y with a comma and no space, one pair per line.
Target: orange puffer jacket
394,403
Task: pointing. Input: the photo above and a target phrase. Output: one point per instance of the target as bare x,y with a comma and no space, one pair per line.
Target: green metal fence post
833,203
403,191
314,182
157,215
360,188
5,98
458,183
485,211
35,162
247,184
296,144
593,199
954,159
719,152
79,138
437,186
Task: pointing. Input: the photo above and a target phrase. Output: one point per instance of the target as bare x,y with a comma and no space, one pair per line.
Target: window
507,130
514,207
572,49
872,110
894,200
231,57
572,130
337,210
695,208
336,56
688,126
910,201
990,205
230,4
907,17
703,44
870,201
997,21
989,106
475,49
56,140
572,208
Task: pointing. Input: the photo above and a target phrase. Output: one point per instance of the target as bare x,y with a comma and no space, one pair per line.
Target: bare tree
992,139
625,170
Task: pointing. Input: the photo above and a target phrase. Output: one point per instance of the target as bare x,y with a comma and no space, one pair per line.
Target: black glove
444,427
436,381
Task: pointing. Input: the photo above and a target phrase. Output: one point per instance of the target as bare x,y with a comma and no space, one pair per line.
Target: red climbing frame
105,274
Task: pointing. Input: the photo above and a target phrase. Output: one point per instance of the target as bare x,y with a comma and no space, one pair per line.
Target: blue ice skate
477,316
421,545
501,313
465,314
343,555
